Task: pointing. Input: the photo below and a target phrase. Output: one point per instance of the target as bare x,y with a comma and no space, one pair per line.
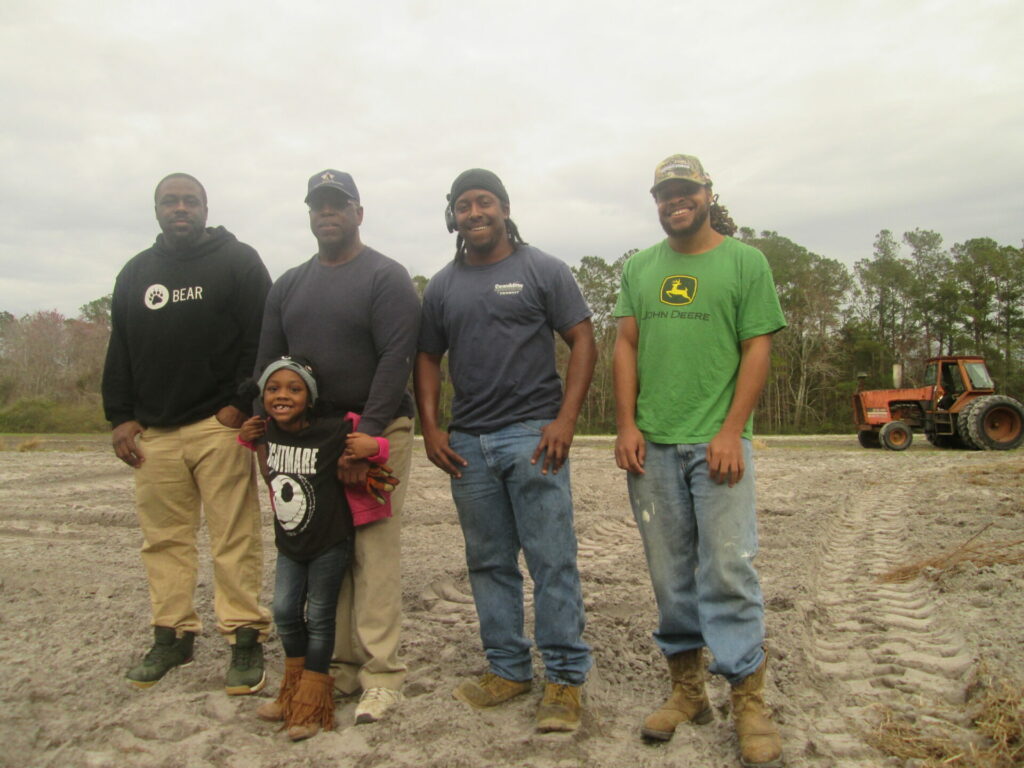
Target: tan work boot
277,710
688,702
760,744
560,709
489,690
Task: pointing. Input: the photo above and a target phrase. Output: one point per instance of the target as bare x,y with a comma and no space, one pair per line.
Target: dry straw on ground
972,550
997,740
997,475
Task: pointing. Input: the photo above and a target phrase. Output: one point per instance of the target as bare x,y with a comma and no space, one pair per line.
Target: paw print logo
156,296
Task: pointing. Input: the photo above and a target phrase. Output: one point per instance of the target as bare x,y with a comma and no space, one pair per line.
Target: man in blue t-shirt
494,310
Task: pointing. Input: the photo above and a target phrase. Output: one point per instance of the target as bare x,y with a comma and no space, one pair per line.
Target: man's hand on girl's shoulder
253,428
352,471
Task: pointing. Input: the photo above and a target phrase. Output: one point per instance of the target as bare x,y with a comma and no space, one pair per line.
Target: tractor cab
957,381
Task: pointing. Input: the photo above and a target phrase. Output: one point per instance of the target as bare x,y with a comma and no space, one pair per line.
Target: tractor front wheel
896,436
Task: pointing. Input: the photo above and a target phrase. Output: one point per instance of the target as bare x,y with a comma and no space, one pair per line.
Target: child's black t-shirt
310,510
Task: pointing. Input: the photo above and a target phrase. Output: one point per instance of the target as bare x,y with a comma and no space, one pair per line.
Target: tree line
913,298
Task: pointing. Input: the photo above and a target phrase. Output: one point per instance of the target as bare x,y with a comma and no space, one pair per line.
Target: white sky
824,121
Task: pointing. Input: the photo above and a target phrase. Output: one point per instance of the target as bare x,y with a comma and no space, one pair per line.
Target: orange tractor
956,408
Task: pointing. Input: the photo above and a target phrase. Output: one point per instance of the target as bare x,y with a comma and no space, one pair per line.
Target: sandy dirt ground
844,647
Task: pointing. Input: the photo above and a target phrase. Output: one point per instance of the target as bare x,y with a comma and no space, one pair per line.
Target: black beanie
477,178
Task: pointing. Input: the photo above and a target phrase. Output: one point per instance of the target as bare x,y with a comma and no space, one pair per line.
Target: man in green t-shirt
696,315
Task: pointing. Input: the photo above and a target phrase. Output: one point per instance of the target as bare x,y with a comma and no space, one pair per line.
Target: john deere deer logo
678,290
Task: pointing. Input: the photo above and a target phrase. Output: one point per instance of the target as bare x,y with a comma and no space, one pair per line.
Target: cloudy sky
824,121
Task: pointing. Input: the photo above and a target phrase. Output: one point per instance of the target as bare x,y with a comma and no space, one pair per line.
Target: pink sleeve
383,446
246,443
383,451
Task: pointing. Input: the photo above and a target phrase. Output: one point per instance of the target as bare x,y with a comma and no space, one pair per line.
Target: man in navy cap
354,313
494,310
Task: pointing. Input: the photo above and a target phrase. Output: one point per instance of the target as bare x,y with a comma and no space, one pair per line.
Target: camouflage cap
685,167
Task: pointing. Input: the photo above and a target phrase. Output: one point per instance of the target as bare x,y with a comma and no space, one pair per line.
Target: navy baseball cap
332,179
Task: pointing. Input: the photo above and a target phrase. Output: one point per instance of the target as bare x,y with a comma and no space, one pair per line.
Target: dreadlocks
513,237
721,221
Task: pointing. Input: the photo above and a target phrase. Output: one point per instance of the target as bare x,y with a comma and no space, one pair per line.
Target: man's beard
182,241
699,217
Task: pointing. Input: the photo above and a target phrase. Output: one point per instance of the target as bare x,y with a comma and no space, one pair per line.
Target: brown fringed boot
277,710
760,744
689,700
312,706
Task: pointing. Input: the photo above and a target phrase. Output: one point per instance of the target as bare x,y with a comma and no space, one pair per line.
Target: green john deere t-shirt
693,310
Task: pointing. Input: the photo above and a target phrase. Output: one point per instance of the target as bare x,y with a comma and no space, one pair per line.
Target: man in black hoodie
186,317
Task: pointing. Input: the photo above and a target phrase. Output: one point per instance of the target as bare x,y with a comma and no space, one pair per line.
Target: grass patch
32,444
39,415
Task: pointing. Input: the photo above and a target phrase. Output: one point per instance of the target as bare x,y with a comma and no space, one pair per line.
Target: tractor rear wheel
868,439
996,423
963,437
896,436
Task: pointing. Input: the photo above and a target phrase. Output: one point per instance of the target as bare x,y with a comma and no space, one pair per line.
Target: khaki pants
200,466
370,604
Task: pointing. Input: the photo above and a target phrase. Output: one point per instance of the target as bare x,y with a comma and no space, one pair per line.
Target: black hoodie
184,331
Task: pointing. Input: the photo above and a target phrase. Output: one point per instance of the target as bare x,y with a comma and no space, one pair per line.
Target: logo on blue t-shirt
678,290
508,289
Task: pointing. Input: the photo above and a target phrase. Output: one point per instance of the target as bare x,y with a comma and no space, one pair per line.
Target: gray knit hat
304,370
477,178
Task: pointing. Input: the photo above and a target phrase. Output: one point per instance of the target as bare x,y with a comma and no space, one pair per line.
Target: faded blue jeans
305,603
505,504
701,539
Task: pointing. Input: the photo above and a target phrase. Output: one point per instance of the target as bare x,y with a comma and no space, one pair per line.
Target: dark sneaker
168,652
246,675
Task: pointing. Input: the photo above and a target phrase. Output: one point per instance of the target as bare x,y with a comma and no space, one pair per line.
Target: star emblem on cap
327,177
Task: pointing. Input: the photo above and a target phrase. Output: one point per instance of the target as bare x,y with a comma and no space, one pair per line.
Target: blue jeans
505,504
305,603
701,539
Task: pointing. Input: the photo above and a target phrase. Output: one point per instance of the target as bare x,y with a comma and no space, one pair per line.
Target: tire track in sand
874,644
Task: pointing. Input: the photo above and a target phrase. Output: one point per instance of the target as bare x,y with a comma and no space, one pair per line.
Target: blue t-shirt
496,322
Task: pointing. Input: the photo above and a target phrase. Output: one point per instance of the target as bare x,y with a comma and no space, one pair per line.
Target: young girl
313,526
